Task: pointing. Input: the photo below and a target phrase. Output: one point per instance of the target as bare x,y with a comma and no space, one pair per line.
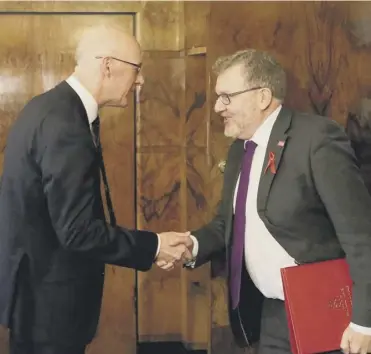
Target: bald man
54,239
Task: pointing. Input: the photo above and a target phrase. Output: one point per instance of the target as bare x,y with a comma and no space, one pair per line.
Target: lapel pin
271,164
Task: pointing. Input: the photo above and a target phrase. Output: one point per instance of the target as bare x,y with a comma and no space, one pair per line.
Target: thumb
180,239
344,345
184,234
179,236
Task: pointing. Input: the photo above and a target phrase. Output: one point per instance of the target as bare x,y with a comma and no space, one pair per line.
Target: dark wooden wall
325,48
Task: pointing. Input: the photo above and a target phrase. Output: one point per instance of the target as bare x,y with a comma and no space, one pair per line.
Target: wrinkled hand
184,243
355,343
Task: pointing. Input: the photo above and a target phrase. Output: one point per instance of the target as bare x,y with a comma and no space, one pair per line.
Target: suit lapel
231,176
276,144
235,168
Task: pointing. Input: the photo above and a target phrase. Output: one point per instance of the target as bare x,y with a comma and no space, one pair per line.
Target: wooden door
37,51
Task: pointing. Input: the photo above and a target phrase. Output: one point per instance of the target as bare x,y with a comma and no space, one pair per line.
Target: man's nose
219,106
140,79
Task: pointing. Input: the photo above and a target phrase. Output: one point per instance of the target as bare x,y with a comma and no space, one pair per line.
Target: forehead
230,80
136,52
130,50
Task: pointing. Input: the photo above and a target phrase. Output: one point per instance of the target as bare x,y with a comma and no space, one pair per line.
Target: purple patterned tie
239,224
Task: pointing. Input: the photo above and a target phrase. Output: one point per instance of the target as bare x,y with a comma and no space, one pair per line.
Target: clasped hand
175,247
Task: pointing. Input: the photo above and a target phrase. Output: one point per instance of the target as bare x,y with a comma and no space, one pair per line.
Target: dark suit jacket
316,205
359,133
54,240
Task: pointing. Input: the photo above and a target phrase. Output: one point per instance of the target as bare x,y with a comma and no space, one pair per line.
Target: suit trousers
274,335
19,347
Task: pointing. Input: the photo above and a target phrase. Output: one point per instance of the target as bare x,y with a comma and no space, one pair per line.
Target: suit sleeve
340,186
211,237
68,166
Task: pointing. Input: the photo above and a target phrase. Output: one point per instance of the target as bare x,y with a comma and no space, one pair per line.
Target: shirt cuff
158,246
191,264
195,246
360,329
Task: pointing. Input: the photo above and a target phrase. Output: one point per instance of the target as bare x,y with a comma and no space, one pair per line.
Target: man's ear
265,98
106,67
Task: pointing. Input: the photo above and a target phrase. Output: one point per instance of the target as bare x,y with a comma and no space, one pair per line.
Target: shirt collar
89,102
262,134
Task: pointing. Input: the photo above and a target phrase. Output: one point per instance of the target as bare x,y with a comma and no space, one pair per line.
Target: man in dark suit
54,239
292,194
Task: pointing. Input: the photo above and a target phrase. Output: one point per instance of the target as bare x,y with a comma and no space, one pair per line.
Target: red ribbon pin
271,163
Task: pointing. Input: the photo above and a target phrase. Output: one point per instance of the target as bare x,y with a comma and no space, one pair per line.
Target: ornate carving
322,62
155,208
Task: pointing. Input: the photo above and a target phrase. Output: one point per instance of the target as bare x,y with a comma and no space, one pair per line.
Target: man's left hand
355,342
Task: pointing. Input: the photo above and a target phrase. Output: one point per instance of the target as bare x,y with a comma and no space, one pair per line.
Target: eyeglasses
226,97
137,66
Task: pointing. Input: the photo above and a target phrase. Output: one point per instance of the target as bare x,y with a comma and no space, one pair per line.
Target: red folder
318,300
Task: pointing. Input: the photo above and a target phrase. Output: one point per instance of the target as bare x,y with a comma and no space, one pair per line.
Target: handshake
174,248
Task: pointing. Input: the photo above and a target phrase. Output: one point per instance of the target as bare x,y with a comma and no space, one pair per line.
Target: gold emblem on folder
343,301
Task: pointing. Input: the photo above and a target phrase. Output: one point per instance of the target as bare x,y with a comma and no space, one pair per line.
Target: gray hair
260,68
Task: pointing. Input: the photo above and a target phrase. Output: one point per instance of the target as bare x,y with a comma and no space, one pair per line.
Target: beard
232,130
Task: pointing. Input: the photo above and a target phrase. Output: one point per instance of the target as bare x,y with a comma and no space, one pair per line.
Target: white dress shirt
260,245
264,256
89,102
